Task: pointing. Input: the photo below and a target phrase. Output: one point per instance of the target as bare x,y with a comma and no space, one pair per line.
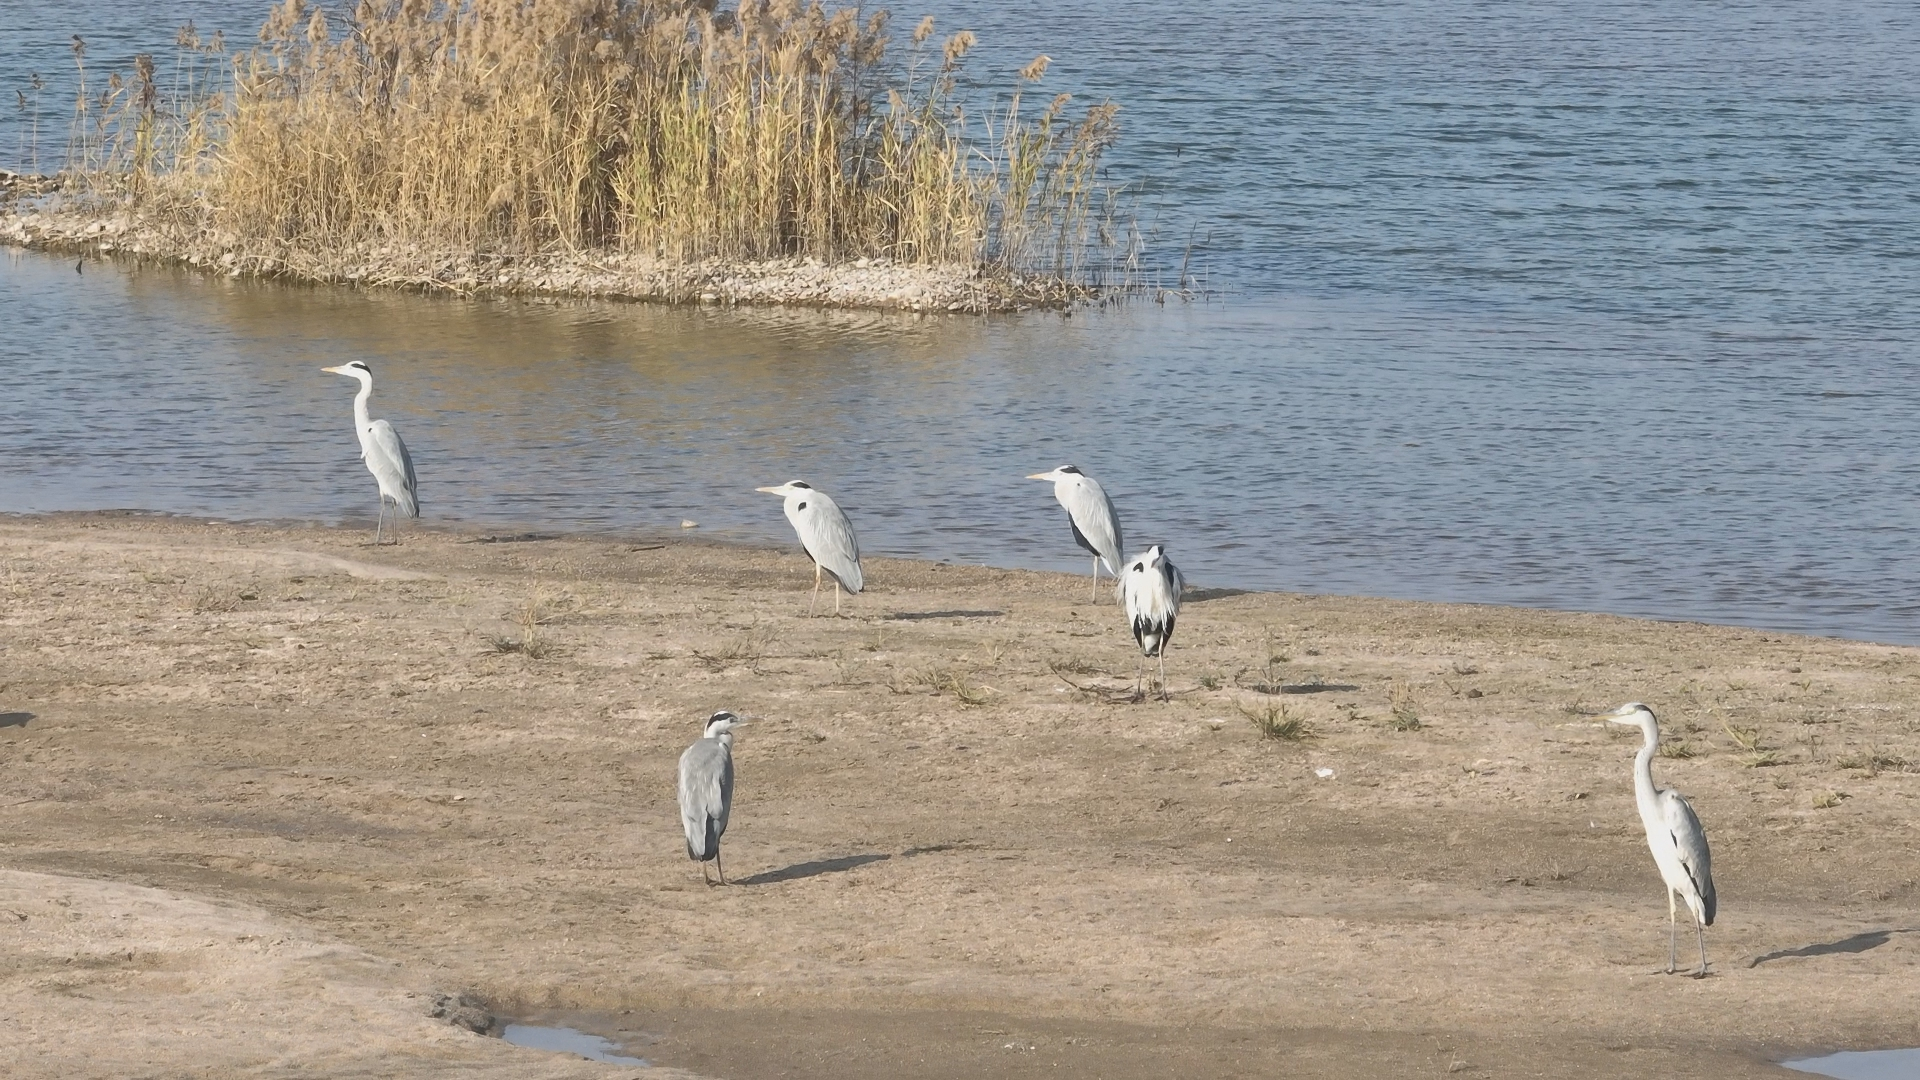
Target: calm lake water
1608,306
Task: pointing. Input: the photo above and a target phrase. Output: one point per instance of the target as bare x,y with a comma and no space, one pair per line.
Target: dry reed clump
665,128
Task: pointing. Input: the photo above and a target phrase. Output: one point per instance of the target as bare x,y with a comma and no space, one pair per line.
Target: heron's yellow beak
1040,476
332,370
771,490
1620,715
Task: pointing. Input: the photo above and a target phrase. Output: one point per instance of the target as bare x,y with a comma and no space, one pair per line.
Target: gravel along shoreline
29,220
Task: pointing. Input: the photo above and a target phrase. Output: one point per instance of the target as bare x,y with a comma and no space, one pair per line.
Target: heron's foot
1699,974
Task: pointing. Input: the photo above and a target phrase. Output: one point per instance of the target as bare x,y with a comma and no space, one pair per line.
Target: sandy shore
272,792
99,228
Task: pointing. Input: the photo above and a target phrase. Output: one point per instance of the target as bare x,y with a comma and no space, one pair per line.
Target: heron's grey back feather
387,459
1151,588
827,535
1690,844
1096,526
706,796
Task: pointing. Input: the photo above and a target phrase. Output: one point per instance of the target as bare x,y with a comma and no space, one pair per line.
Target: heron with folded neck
706,791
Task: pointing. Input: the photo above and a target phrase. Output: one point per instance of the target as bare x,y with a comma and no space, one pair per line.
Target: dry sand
272,791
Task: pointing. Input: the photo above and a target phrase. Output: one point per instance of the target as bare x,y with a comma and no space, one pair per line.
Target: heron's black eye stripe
803,506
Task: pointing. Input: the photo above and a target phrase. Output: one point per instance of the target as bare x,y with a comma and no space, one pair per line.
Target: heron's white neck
725,739
360,419
1643,789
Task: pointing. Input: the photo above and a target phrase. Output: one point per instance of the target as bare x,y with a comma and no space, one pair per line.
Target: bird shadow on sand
1201,596
1858,943
915,616
813,869
512,538
15,719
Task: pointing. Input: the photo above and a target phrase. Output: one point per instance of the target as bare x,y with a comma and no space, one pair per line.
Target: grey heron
706,791
1151,587
826,534
1674,834
380,447
1090,515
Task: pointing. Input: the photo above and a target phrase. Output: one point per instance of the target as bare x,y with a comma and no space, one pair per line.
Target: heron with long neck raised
380,447
1674,835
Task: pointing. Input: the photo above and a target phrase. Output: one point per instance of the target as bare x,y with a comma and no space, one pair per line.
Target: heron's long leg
1096,579
1163,673
1673,924
717,866
836,597
380,520
703,875
816,591
1701,932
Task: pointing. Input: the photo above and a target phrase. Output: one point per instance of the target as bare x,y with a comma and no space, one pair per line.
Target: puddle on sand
1863,1064
567,1040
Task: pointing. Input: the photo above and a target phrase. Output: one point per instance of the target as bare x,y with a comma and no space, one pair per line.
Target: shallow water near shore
1590,308
1862,1064
566,1040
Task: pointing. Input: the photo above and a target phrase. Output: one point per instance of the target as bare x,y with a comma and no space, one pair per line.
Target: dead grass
531,644
1275,721
776,129
1404,714
745,649
941,679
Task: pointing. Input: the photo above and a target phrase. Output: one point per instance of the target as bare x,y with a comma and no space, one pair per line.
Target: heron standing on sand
380,447
826,534
1090,515
1674,834
1151,588
706,791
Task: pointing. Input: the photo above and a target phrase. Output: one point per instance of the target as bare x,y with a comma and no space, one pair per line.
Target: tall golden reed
777,129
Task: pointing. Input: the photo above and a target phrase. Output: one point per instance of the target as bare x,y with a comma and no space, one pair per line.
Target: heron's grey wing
828,537
706,788
1176,584
1095,524
693,812
1690,844
725,791
388,460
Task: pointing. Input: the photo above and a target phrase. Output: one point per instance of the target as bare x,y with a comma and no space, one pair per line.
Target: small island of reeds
777,151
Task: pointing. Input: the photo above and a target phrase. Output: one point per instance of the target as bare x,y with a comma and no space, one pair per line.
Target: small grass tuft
1274,721
1404,714
210,600
1872,762
745,649
1677,750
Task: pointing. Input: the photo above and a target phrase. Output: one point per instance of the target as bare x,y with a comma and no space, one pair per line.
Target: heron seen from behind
706,791
1150,588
